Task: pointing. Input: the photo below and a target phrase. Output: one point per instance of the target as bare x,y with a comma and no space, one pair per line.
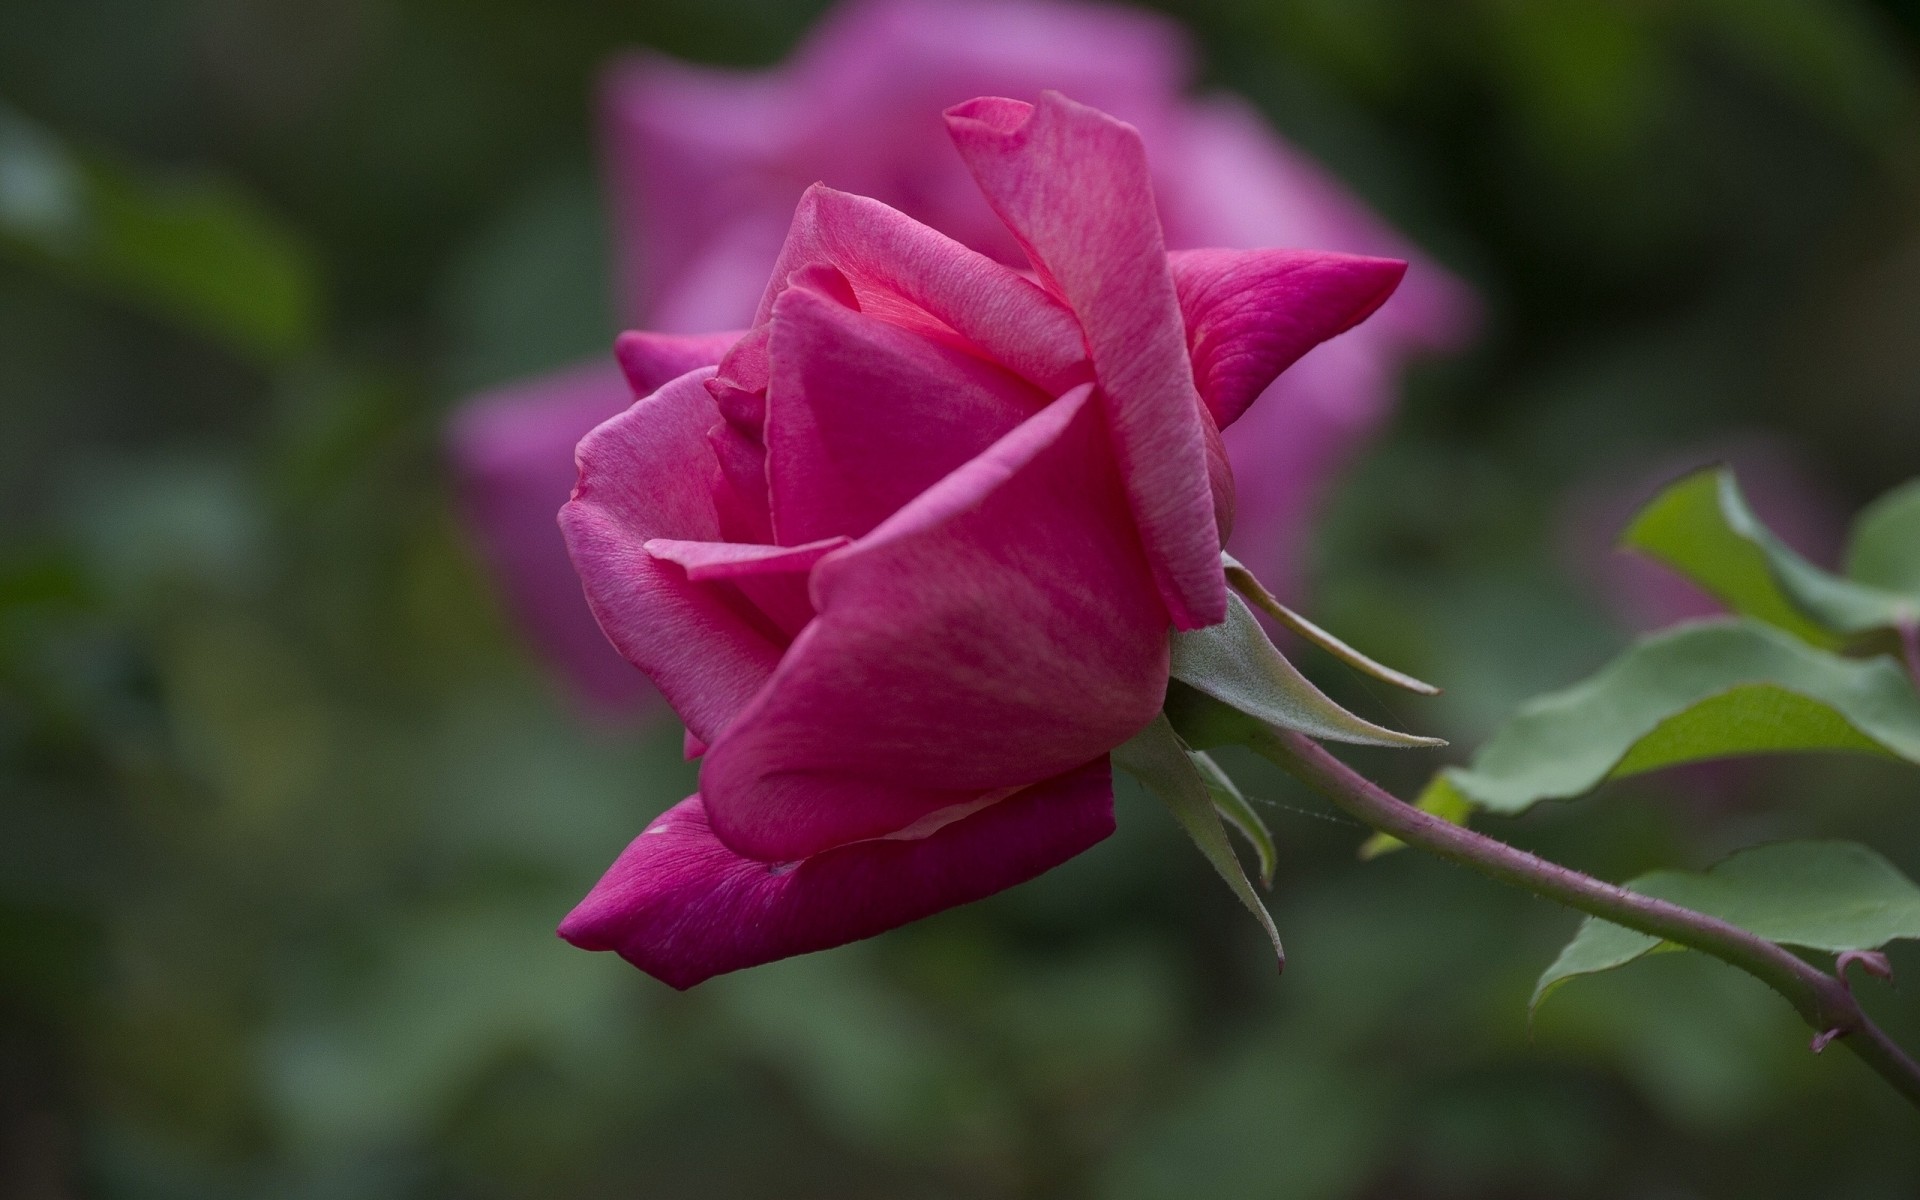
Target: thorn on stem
1872,962
1822,1040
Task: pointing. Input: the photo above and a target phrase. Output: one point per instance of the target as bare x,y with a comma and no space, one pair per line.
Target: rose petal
683,908
1251,314
653,359
647,474
512,457
908,274
864,416
1073,185
1228,181
999,629
771,578
738,560
741,491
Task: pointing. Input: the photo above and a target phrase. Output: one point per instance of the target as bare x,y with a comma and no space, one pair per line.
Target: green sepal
1164,765
1236,664
1829,896
1244,582
1238,811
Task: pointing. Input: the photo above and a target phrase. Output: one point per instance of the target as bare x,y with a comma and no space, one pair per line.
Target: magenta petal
863,416
683,908
740,386
652,359
647,474
1072,183
512,457
741,560
1251,314
772,578
1229,181
1001,628
912,276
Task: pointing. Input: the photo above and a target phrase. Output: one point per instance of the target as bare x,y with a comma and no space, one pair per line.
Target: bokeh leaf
1830,896
193,251
1237,811
1702,527
1164,766
1884,551
1235,663
1712,689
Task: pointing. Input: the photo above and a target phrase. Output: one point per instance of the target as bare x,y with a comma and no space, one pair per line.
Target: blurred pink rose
904,557
705,166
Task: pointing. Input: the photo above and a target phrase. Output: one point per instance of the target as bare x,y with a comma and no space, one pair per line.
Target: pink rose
705,166
905,556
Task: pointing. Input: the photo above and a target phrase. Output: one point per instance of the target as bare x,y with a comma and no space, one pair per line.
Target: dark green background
287,817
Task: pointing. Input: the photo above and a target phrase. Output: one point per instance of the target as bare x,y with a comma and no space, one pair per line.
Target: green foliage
1236,664
1830,896
1166,767
1884,551
194,251
1709,690
1702,527
1724,688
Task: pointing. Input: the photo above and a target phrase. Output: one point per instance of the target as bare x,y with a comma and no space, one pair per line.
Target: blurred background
288,812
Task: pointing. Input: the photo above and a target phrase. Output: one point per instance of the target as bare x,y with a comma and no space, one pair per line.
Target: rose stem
1824,1001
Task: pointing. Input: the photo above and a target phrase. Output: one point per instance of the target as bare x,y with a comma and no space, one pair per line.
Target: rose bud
906,556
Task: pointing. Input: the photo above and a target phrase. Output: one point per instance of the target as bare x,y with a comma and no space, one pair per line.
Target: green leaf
1830,896
1235,663
1707,690
1884,551
194,251
1702,527
1164,765
1233,806
1244,582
